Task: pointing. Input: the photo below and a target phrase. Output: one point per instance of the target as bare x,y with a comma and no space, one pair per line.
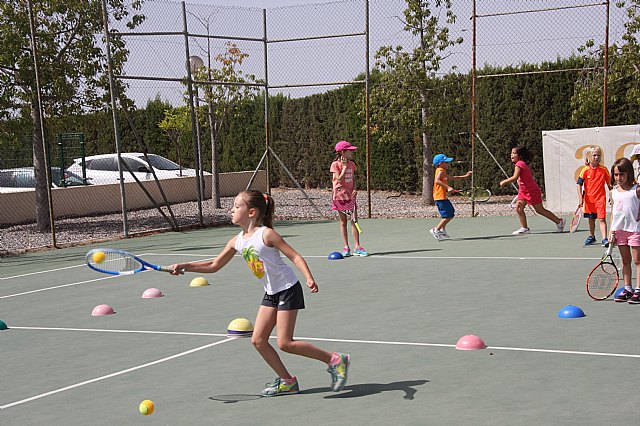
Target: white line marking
42,272
117,373
378,342
58,286
84,264
100,330
556,351
383,256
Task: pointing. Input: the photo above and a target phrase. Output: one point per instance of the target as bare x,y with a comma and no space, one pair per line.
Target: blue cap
441,158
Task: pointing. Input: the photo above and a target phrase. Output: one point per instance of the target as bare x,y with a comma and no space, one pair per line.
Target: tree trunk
427,155
42,195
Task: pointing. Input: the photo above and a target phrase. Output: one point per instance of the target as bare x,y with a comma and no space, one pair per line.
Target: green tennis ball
146,407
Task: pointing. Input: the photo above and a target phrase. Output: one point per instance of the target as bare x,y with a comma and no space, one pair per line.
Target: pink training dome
470,343
152,293
101,310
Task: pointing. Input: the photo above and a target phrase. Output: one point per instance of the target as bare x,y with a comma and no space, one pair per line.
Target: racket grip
358,227
169,269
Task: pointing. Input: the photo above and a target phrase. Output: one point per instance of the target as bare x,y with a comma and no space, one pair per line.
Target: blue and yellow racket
119,262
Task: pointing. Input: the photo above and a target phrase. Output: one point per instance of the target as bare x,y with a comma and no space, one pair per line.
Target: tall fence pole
194,129
114,112
606,68
473,104
367,91
266,97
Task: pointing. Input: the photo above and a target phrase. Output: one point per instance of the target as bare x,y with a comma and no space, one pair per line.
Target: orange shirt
439,192
594,180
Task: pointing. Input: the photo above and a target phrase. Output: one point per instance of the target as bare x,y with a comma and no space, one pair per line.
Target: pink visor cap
344,145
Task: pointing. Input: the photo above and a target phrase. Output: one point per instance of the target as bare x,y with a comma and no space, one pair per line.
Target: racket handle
169,269
358,227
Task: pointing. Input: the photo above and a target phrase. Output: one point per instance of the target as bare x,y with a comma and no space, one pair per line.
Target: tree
403,97
223,99
623,84
175,125
71,66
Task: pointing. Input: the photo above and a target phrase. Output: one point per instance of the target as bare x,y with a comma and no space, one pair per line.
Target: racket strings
117,262
602,281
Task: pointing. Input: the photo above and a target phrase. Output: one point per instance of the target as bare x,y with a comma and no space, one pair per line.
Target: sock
637,291
289,381
628,288
335,358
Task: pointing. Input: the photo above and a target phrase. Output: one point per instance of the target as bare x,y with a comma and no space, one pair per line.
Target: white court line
101,330
84,264
384,256
117,373
473,257
320,339
502,348
58,286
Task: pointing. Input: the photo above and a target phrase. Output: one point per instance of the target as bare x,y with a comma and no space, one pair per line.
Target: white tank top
265,262
626,210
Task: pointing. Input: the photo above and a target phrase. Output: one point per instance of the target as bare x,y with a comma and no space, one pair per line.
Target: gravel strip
291,204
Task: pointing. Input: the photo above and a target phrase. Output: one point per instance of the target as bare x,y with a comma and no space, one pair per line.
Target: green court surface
398,312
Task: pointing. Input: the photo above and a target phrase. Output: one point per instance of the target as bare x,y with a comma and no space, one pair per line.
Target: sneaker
605,243
436,234
590,240
521,231
339,372
624,296
360,252
444,234
635,299
560,226
280,387
346,251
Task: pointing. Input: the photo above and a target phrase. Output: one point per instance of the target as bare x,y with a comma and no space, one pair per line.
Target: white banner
563,155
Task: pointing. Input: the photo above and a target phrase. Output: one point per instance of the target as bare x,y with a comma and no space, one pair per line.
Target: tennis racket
475,194
603,278
119,262
575,220
350,216
514,204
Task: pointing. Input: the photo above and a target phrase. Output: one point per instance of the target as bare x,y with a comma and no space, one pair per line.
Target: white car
103,169
23,179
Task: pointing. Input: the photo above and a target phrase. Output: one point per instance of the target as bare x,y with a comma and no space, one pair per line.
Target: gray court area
399,313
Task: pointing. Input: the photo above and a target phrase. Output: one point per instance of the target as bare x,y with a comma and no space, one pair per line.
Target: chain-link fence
234,96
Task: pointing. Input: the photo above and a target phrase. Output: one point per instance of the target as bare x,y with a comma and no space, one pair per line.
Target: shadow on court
485,237
368,389
353,391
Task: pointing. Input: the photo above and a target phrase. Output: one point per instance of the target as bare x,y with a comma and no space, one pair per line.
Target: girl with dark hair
528,191
260,246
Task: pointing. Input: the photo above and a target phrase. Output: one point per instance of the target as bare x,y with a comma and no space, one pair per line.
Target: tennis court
398,312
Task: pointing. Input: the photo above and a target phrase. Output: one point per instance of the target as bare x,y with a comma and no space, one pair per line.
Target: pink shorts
626,238
532,198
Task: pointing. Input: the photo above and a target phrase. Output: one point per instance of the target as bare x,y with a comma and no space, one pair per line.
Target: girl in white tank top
625,226
260,246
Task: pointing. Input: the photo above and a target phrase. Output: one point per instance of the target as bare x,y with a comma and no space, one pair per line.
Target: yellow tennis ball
99,257
146,407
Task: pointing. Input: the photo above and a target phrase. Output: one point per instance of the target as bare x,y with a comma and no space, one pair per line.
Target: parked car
102,169
23,179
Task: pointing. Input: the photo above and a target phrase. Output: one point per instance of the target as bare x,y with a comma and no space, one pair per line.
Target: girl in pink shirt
344,195
528,191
